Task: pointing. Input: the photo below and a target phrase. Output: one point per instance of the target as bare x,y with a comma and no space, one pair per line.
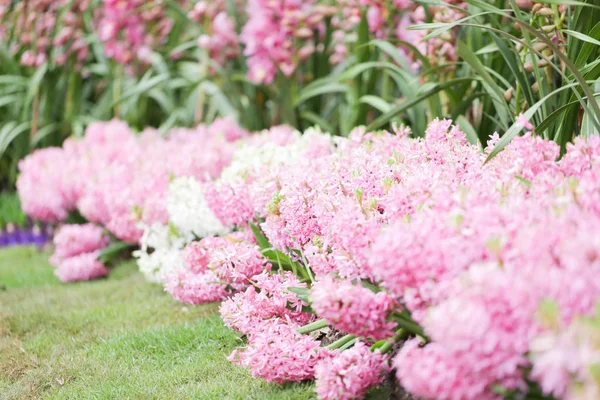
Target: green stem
341,342
518,99
349,344
199,113
312,279
117,91
557,16
315,326
70,101
387,346
36,114
410,327
385,86
287,94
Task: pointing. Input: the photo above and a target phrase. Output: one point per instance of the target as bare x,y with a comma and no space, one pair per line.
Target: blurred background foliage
481,63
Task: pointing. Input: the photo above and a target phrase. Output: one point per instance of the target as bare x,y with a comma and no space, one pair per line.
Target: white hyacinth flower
188,210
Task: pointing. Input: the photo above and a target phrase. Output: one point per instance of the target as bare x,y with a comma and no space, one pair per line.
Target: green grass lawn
115,338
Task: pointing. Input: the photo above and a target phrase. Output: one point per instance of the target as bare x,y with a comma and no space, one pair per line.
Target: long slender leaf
9,132
582,36
142,87
388,116
516,127
34,85
376,102
327,88
488,82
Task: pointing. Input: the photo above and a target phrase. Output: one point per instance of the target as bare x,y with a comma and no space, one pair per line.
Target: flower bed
485,271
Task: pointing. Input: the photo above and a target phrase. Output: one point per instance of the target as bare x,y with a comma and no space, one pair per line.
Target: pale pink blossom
278,353
194,288
72,240
353,309
347,375
82,267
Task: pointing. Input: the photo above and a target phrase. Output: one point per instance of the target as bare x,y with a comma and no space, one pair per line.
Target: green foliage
510,61
547,68
10,211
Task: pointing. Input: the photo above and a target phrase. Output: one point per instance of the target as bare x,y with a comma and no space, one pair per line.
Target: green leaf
515,65
542,126
516,127
9,132
9,99
219,99
358,69
43,132
158,63
317,120
490,48
408,103
571,3
192,44
302,293
142,87
164,101
176,7
523,181
232,10
528,30
442,27
586,50
111,252
468,129
326,88
313,326
275,256
389,49
34,85
168,124
13,80
582,36
376,102
362,50
587,126
488,82
261,239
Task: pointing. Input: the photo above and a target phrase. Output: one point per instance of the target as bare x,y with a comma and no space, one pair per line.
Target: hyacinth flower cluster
348,375
119,179
485,269
483,273
214,267
218,212
76,250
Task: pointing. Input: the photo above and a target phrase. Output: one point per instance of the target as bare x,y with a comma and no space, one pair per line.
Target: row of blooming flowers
117,180
345,260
